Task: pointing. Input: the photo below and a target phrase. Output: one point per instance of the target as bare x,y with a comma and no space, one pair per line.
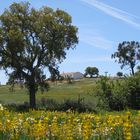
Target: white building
73,75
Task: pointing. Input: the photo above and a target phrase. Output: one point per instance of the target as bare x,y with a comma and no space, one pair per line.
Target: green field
58,92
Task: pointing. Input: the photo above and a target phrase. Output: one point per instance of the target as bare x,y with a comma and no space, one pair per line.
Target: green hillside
58,92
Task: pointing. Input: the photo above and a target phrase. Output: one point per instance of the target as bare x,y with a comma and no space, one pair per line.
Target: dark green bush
18,107
68,104
75,105
47,104
133,84
111,93
118,94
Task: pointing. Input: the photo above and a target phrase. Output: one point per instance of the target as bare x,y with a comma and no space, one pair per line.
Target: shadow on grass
52,105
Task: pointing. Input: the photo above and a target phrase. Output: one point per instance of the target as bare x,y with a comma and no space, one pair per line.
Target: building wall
74,75
77,75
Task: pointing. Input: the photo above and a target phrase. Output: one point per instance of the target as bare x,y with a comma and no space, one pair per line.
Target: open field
58,92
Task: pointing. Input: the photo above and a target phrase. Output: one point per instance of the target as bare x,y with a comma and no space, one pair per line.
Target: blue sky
102,25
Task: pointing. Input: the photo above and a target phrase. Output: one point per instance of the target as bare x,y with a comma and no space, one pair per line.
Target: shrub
111,94
18,107
48,104
75,105
68,104
133,85
118,94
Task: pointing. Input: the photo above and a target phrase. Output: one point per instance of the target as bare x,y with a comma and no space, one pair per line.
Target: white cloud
95,39
77,60
115,12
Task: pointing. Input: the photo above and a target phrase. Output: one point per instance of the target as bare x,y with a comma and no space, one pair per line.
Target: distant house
73,75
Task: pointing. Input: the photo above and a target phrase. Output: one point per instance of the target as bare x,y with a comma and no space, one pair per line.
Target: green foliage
78,105
133,85
91,71
119,74
31,40
111,94
128,54
120,93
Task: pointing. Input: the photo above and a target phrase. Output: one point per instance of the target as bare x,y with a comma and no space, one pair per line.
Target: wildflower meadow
45,125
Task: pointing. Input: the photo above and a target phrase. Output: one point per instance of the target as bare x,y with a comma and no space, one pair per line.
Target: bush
133,85
119,94
48,104
111,94
75,105
18,107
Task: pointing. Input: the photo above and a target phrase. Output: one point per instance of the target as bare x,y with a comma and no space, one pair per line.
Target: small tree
91,71
119,74
31,40
128,54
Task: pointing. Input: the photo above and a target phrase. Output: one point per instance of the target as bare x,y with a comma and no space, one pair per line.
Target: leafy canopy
31,40
128,54
119,74
91,71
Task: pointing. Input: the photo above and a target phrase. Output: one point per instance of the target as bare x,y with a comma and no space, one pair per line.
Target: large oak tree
31,40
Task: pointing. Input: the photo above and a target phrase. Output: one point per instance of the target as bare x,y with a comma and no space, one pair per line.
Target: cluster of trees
31,40
91,72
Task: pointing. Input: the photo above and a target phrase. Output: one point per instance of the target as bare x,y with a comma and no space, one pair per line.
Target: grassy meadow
58,91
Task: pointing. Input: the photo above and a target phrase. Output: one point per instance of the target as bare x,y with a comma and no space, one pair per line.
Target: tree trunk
132,70
32,96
